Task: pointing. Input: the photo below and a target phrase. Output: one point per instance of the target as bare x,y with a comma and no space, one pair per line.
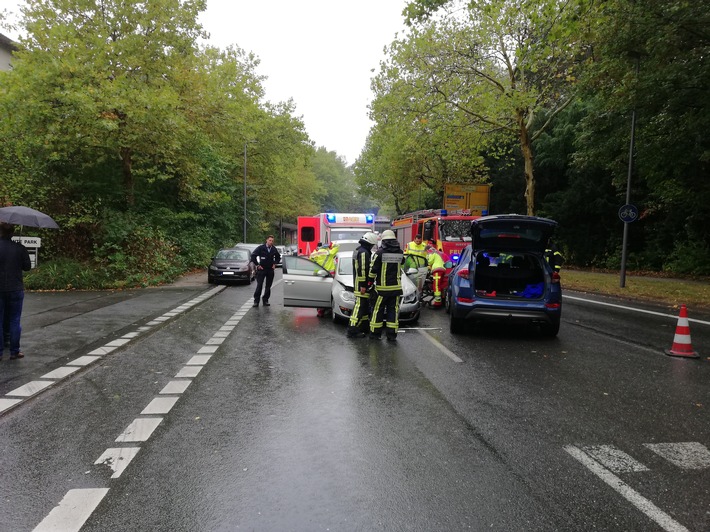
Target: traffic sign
628,213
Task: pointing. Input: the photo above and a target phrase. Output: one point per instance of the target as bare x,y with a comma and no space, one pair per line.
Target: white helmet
370,238
388,235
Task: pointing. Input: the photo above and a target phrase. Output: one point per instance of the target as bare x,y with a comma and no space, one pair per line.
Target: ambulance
330,227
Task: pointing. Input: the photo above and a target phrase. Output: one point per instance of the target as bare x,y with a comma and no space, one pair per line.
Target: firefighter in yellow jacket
325,256
437,268
386,275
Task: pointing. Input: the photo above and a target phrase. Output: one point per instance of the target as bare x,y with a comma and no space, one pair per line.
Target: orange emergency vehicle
330,227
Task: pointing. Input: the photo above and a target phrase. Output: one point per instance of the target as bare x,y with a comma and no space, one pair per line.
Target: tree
499,62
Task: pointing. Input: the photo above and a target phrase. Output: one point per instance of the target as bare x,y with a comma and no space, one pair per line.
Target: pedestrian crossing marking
686,455
614,459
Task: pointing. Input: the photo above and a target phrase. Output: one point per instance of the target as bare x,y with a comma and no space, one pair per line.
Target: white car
307,284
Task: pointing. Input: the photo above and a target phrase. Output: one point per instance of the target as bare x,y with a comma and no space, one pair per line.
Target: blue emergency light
444,212
330,218
369,218
455,259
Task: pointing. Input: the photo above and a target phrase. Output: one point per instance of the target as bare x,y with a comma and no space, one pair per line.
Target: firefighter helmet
388,235
370,238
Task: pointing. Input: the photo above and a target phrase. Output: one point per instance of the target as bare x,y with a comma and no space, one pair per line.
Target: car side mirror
412,271
322,273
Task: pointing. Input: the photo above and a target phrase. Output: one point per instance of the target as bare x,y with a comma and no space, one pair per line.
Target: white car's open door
306,284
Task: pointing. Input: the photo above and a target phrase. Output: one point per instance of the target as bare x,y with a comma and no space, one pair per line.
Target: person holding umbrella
14,259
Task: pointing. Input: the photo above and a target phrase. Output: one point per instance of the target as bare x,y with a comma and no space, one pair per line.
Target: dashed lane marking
72,511
653,512
565,296
117,458
53,377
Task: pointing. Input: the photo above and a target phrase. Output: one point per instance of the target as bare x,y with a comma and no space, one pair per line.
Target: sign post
32,243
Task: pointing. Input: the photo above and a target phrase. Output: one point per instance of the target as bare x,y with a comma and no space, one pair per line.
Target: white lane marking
220,334
72,511
130,335
208,349
160,405
199,360
117,458
188,371
118,343
83,361
227,329
7,403
675,317
440,346
653,512
614,459
175,387
60,373
686,455
30,388
102,351
215,341
140,429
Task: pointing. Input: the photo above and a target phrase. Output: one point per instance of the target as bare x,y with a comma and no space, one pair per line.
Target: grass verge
670,291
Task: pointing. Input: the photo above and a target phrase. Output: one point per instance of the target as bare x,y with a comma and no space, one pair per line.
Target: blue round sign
628,213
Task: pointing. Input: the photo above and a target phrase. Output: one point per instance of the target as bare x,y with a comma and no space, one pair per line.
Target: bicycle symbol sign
628,213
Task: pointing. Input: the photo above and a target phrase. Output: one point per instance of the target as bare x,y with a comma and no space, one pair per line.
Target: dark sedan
230,265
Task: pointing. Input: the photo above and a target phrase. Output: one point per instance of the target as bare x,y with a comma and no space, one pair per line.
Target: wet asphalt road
289,426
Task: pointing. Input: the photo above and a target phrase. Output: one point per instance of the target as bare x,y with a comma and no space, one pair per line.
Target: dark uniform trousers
267,273
360,318
386,308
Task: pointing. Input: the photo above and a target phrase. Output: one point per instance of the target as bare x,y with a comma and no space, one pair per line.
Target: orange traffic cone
681,342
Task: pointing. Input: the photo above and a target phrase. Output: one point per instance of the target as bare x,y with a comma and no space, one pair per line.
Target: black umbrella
27,217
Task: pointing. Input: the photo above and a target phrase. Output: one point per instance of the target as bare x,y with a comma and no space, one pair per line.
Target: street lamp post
245,192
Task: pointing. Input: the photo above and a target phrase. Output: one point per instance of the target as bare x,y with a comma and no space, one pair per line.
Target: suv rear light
465,299
463,273
552,305
555,277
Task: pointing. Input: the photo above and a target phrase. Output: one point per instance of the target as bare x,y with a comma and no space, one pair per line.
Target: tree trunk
526,148
127,170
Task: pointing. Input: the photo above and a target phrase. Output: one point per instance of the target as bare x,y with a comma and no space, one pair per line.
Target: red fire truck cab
450,231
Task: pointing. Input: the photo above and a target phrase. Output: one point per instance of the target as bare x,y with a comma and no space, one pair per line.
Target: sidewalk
61,327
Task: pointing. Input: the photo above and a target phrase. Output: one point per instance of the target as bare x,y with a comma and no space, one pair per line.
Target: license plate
227,273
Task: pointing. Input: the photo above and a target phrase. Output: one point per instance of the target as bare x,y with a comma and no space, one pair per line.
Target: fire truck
450,230
332,226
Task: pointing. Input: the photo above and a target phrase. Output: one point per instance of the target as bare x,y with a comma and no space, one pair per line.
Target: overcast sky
319,52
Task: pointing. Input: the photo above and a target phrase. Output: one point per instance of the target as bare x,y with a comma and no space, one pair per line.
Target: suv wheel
550,329
456,325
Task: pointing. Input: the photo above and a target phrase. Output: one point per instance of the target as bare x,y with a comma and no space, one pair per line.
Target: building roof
6,42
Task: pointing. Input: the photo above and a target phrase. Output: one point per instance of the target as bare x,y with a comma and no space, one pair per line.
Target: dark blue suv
504,276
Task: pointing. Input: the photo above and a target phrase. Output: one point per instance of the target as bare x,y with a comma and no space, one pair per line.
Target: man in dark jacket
360,318
386,275
14,259
266,257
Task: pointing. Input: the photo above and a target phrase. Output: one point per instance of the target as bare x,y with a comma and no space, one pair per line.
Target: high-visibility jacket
435,261
329,263
416,249
319,256
386,269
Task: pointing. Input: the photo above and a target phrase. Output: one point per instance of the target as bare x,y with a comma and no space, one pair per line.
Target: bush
67,274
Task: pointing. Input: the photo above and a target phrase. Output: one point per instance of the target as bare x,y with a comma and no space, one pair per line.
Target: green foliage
68,274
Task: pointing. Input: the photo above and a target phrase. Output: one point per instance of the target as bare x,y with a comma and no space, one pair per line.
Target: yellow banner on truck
473,198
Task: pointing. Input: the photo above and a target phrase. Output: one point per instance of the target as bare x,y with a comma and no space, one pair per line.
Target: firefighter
360,318
325,256
554,257
437,268
386,276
